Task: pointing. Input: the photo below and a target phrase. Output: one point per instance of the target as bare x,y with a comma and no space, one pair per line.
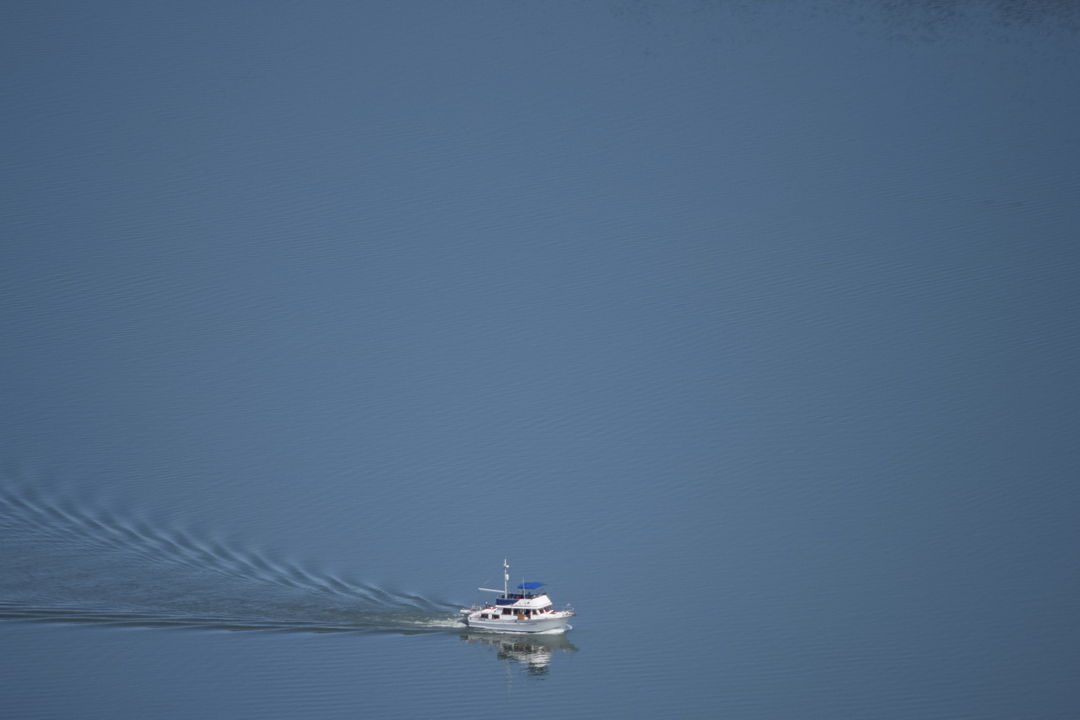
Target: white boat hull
553,622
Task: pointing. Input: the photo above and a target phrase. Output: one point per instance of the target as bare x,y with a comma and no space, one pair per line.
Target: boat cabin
526,602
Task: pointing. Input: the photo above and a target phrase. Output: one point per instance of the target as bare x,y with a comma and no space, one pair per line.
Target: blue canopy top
529,586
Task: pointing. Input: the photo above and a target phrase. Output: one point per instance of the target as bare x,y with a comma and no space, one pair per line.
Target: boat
526,610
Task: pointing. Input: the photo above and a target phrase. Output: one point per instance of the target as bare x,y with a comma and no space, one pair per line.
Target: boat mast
506,579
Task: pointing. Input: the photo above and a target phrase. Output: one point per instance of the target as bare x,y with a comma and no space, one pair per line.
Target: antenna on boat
506,579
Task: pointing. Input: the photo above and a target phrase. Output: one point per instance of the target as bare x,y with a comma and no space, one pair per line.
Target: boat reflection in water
534,652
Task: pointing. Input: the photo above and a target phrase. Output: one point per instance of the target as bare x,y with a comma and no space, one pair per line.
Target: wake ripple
62,562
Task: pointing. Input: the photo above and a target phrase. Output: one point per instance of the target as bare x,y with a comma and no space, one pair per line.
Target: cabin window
506,611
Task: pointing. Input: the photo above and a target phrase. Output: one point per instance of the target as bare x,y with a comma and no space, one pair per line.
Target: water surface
751,328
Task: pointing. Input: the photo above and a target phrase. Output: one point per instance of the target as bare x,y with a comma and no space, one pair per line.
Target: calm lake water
753,329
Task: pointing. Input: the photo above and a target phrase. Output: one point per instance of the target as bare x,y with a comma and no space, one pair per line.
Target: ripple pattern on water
73,564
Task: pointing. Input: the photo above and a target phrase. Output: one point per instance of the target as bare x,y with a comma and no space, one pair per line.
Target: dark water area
750,328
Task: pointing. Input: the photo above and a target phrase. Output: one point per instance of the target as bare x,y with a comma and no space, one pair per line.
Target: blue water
750,328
